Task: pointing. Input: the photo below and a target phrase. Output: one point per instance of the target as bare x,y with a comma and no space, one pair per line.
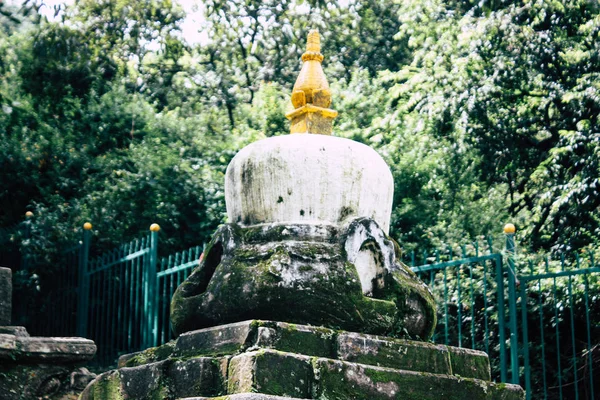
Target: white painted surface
308,178
369,271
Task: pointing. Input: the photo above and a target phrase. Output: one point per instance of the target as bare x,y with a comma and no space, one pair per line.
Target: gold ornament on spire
311,96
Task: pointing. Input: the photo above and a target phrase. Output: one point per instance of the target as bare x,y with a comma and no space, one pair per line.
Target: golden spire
311,96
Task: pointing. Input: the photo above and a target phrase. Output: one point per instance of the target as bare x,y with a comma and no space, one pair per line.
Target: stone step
373,350
243,396
280,373
342,380
290,376
266,359
24,348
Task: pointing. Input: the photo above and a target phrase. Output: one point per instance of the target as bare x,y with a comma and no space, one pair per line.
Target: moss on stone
291,339
380,375
283,374
152,354
108,387
262,234
354,381
405,288
161,393
470,363
267,270
395,353
222,350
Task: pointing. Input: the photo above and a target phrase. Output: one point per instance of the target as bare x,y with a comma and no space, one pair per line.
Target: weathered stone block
40,349
470,363
271,372
245,396
129,360
167,379
278,359
239,337
302,339
399,354
219,340
153,354
340,380
346,277
144,382
57,349
8,344
103,387
14,330
313,341
5,296
500,391
197,376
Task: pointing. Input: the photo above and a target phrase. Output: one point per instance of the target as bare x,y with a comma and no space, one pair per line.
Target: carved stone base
263,360
346,277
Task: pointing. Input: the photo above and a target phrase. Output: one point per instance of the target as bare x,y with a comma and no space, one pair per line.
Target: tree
515,83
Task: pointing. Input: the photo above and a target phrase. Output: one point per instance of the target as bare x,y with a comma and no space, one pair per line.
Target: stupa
291,292
307,239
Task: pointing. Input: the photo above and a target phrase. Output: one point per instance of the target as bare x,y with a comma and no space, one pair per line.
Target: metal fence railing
114,302
172,272
538,319
470,297
126,294
560,325
120,299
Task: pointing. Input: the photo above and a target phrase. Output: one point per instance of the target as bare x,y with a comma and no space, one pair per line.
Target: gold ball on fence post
29,214
509,229
154,228
87,226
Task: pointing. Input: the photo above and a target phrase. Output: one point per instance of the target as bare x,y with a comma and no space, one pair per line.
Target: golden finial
311,96
509,229
154,228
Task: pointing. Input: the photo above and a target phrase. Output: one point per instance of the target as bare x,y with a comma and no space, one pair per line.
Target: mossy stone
271,372
302,274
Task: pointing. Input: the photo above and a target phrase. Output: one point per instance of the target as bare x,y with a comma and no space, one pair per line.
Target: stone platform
32,368
41,367
274,360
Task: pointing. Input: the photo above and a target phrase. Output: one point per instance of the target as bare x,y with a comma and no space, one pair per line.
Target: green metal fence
172,272
125,295
116,299
538,319
469,288
559,301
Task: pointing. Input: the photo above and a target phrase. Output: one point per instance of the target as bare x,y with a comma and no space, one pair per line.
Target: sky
189,27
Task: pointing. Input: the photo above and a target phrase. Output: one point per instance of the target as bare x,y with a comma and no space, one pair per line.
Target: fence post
27,236
509,230
501,317
150,289
83,282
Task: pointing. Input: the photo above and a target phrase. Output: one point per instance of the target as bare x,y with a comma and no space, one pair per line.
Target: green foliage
484,111
514,86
